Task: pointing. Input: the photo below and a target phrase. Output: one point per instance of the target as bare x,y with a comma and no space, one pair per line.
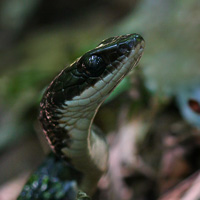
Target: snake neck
72,136
86,144
87,149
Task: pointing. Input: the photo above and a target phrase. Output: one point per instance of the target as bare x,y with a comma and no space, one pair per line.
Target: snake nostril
137,39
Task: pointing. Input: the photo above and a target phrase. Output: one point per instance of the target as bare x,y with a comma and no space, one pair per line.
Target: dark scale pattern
64,87
72,81
53,180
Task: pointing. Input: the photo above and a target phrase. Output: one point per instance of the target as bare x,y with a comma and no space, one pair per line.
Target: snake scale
71,101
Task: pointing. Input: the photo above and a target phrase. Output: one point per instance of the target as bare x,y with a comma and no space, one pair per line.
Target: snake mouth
140,48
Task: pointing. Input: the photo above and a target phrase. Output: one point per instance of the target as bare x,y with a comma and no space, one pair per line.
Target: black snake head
107,56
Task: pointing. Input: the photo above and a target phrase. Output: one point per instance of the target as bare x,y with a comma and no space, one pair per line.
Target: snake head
105,66
94,75
106,57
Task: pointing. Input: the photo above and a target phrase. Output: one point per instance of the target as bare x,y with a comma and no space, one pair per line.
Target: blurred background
151,120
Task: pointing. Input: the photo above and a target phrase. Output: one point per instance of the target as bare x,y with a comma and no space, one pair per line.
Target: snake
72,99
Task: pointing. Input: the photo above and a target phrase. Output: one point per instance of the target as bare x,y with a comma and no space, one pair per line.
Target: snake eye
93,65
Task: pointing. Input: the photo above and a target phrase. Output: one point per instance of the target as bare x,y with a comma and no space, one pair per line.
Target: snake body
72,99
